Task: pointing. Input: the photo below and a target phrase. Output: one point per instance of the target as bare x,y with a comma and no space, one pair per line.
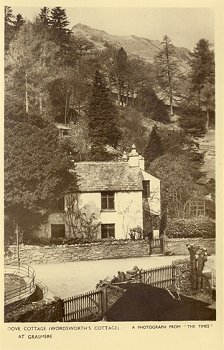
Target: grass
13,282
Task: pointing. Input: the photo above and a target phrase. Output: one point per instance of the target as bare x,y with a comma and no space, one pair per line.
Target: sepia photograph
109,164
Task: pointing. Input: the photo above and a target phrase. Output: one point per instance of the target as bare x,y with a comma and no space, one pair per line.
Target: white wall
126,215
154,200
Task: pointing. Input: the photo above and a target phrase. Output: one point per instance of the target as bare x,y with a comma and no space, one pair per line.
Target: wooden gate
84,307
156,245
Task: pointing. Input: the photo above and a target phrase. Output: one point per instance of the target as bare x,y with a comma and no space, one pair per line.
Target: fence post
173,274
104,300
162,244
150,247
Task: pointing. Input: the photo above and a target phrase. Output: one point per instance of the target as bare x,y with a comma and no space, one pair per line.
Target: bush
193,227
136,233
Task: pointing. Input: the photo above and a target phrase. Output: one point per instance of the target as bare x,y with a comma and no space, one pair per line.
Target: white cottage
117,192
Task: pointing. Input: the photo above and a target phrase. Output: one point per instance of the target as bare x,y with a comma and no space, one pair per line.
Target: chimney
124,157
141,162
133,157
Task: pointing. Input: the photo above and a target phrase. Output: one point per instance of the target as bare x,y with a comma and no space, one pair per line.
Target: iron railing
27,275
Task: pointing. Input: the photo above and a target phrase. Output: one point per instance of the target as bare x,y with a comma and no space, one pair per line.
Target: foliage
44,17
191,227
59,23
202,68
102,115
131,123
154,148
30,66
177,182
136,233
120,72
167,70
36,169
78,138
193,120
9,28
19,22
151,106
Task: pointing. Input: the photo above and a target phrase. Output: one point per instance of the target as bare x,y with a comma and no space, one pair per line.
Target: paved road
68,279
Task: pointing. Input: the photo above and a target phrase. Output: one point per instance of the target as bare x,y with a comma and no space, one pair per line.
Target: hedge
191,227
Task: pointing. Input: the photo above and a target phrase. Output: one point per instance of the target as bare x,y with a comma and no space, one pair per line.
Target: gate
156,245
84,307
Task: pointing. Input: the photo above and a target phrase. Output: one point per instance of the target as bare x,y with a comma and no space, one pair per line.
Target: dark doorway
57,230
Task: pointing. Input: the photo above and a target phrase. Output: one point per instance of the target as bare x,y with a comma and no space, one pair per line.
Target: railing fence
92,305
84,306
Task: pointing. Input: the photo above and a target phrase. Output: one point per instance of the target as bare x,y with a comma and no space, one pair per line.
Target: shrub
136,233
192,227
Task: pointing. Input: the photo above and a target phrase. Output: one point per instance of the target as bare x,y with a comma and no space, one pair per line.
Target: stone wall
41,311
178,246
100,250
68,253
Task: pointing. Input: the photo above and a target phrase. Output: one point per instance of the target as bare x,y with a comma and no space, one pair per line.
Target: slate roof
108,176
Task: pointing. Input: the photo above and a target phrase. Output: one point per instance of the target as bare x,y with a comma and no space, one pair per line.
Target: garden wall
67,253
99,250
41,311
178,246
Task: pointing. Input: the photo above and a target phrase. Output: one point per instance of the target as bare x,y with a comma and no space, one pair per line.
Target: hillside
144,48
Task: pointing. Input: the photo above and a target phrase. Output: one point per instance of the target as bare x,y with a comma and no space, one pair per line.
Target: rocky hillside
135,46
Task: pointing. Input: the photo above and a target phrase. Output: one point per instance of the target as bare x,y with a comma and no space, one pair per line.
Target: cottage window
146,189
107,230
107,200
57,230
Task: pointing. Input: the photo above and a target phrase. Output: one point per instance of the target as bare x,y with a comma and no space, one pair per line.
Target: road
68,279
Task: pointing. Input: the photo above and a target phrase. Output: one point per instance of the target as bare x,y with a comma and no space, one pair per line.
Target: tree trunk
17,238
169,79
207,119
26,94
40,103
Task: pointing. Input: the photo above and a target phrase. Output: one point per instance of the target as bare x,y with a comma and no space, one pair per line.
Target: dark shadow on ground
146,303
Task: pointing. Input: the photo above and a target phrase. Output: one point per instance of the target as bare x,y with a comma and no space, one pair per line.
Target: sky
185,26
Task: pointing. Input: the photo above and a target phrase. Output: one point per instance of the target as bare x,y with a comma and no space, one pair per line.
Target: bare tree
82,222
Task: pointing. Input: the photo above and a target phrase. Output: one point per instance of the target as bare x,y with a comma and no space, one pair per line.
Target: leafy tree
167,70
44,17
59,24
203,67
120,72
102,116
138,76
192,120
19,22
133,130
36,168
30,65
178,186
9,27
154,148
115,64
149,104
202,76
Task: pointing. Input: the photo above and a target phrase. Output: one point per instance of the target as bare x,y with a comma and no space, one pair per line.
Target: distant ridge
144,48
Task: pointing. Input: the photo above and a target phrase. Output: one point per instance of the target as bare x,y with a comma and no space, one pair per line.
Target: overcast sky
185,26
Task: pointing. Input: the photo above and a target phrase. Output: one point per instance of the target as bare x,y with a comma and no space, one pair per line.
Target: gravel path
68,279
